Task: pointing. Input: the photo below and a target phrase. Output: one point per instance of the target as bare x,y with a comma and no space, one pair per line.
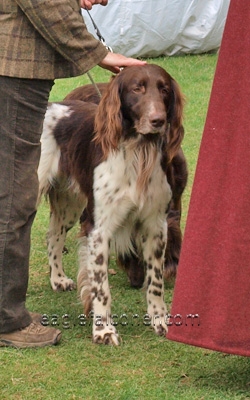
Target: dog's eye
164,90
139,89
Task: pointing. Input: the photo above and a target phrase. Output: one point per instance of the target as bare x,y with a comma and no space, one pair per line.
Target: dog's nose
157,120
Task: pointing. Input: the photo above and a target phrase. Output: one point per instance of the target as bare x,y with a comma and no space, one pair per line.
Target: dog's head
140,100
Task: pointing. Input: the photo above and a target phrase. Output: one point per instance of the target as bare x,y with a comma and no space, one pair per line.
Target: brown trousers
23,105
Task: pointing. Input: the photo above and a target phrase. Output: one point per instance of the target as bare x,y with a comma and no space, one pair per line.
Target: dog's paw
63,284
159,323
161,329
105,335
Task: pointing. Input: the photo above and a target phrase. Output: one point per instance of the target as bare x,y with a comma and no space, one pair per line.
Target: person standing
40,40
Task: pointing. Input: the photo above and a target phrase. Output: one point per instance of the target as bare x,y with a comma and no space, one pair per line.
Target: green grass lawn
144,366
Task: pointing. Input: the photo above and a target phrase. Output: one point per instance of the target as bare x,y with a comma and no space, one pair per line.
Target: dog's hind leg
66,208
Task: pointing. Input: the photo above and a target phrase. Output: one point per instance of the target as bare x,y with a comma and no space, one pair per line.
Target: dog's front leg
153,252
98,258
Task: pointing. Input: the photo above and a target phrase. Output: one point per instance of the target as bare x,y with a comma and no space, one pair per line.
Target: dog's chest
116,186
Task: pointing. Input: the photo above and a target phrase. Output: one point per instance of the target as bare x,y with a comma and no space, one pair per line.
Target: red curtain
211,304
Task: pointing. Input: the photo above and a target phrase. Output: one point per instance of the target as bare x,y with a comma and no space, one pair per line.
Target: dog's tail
50,151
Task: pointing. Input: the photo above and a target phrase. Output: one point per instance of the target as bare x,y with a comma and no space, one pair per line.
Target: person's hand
87,4
113,62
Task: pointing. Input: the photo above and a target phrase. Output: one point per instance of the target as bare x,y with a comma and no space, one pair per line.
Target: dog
178,175
111,163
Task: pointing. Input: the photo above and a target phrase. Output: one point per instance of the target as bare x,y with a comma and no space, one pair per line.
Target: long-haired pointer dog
177,178
111,162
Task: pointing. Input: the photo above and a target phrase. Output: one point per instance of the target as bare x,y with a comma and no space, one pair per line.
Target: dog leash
100,37
102,40
94,84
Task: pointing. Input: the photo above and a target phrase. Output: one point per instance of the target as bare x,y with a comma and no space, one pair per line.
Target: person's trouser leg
22,107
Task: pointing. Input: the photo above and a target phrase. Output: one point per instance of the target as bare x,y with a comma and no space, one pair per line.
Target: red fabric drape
211,304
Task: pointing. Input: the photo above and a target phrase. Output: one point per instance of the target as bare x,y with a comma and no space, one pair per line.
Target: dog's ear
108,120
175,119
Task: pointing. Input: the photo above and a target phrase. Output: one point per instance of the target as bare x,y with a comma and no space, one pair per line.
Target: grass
143,366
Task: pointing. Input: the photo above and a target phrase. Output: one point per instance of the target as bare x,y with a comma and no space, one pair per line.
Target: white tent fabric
151,28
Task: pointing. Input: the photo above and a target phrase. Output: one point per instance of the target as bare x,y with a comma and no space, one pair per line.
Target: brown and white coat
111,162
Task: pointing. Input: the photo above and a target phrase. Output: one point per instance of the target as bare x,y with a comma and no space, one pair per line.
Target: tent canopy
151,28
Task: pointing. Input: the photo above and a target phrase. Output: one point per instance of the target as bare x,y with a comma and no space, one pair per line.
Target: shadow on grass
217,372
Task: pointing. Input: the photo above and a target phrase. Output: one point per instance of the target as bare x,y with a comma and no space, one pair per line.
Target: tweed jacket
45,39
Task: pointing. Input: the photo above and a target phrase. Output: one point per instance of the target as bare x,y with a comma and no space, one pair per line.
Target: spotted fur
177,178
110,162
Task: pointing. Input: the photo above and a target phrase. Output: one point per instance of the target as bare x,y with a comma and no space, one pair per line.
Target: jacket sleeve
61,24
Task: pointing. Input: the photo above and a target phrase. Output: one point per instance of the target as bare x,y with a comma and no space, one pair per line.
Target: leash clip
100,37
